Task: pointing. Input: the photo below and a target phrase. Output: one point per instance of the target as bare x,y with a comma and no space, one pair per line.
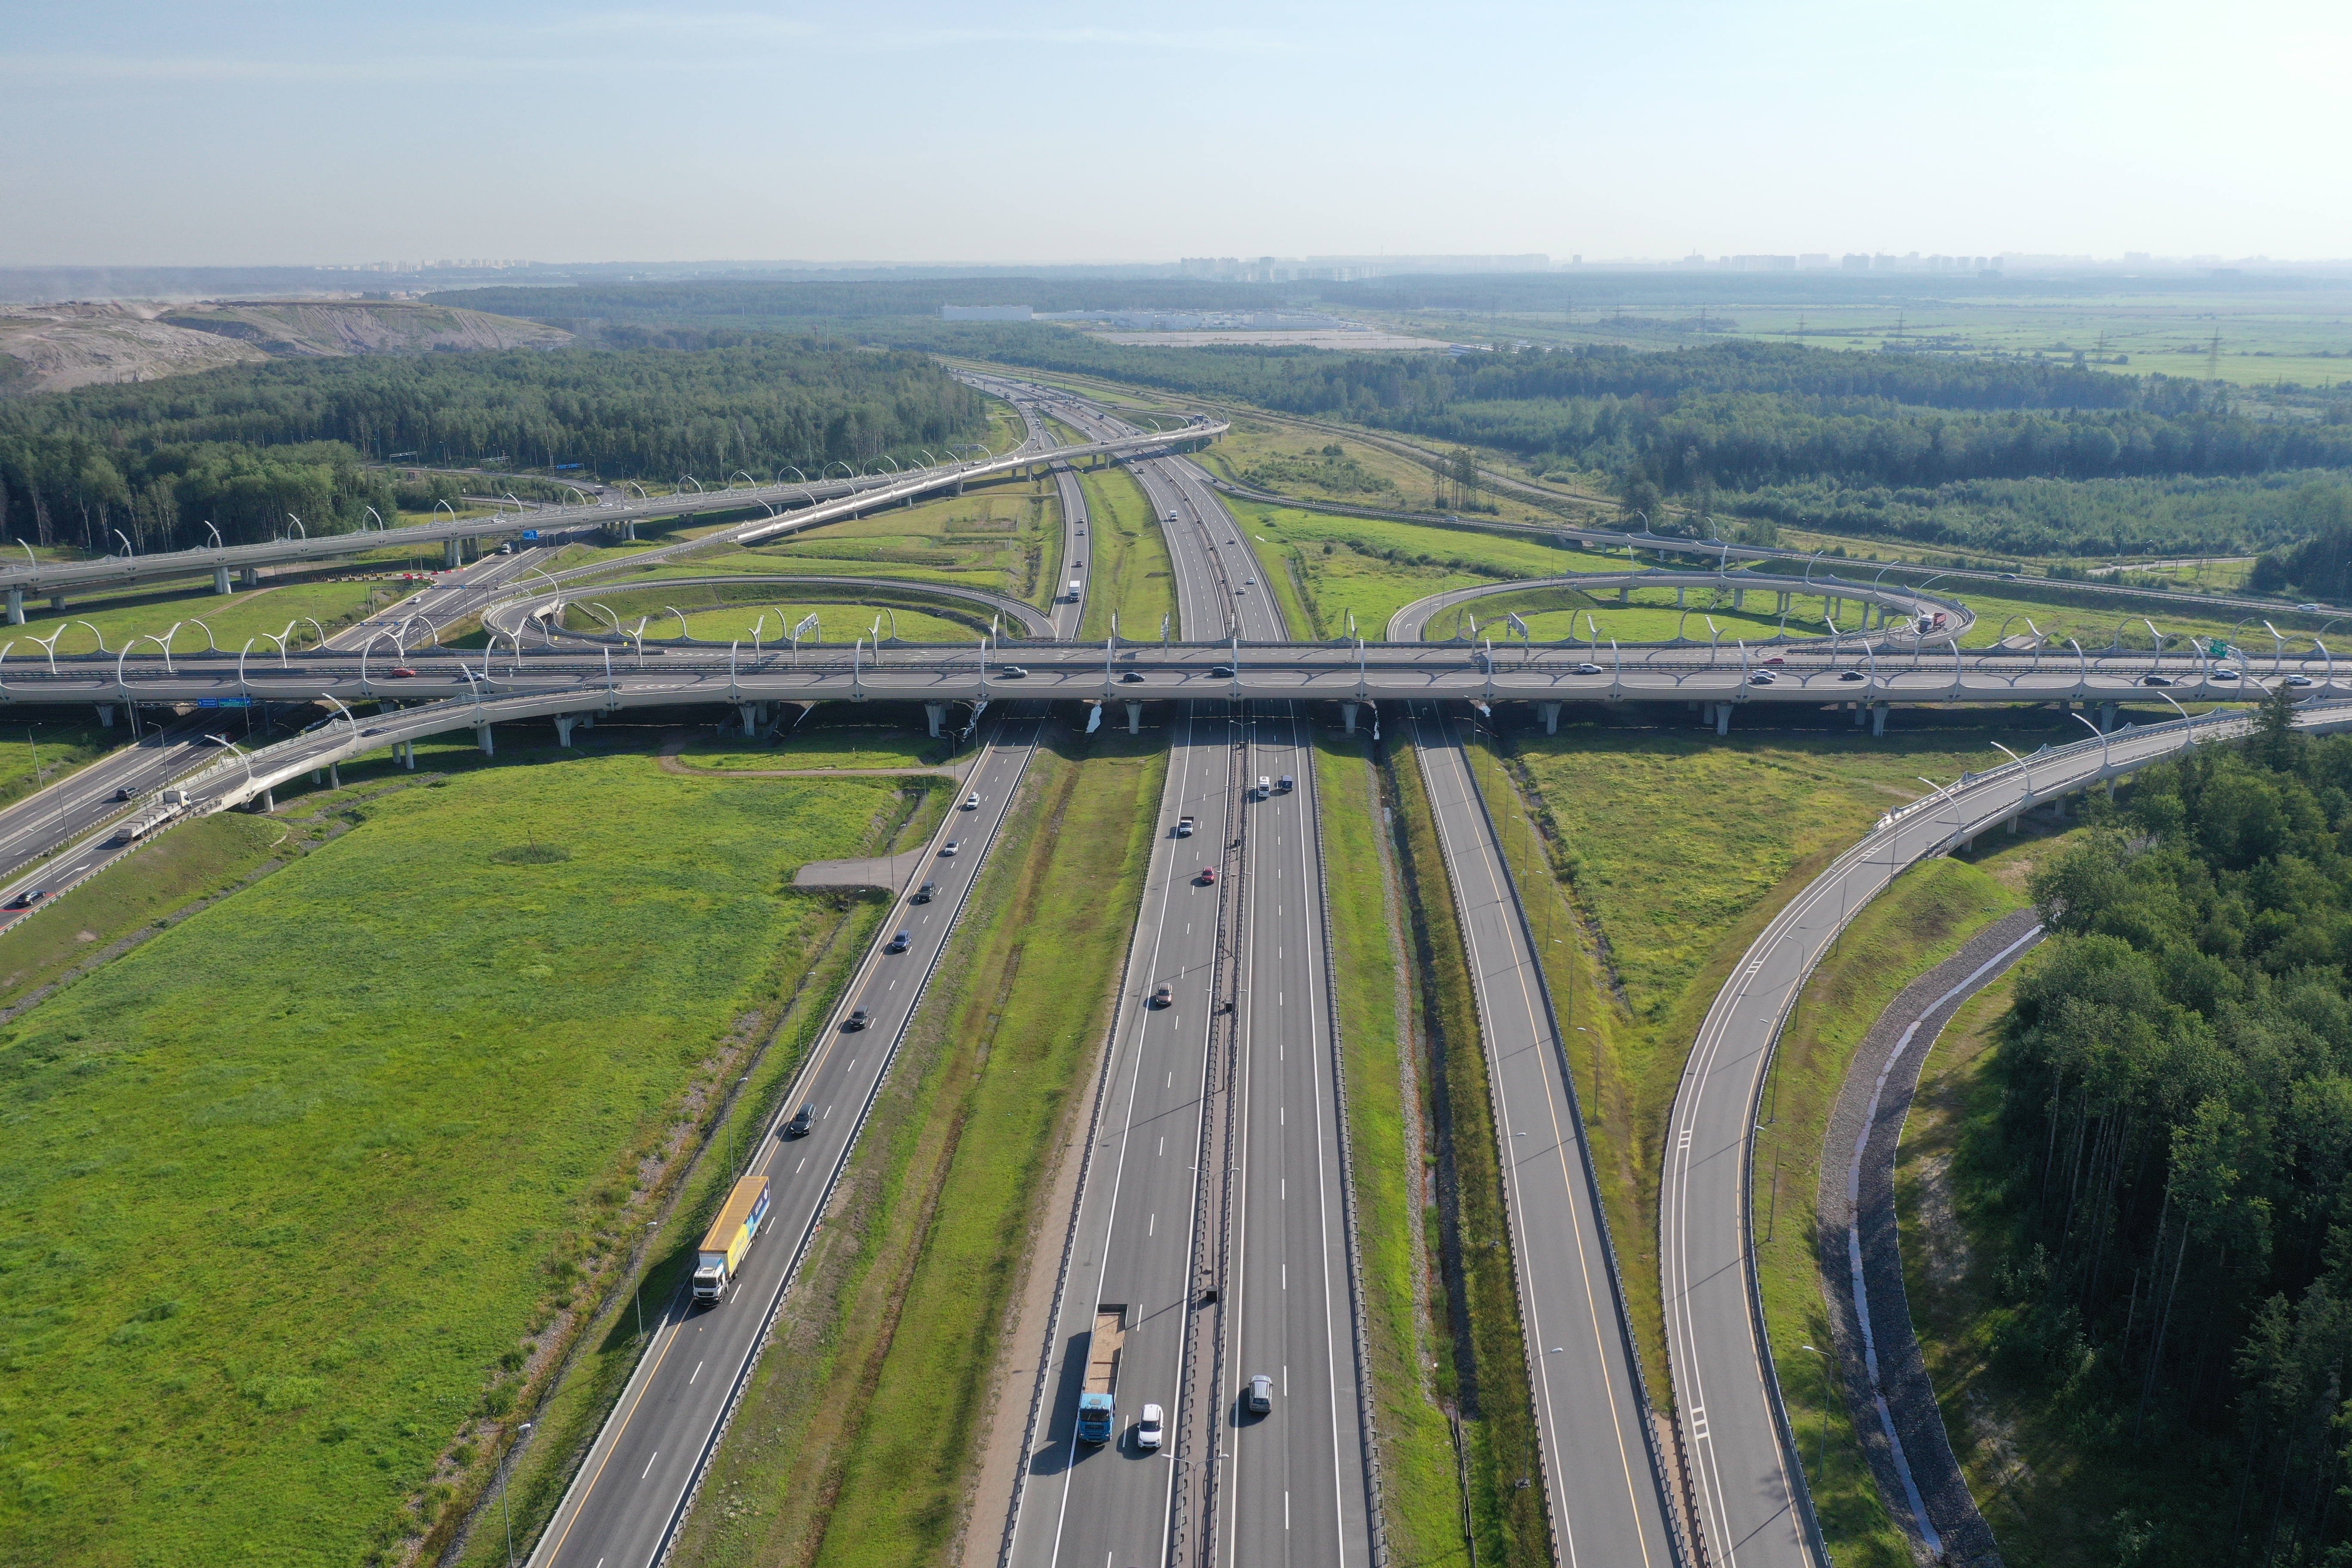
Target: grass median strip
1126,570
859,1437
321,1181
1419,1494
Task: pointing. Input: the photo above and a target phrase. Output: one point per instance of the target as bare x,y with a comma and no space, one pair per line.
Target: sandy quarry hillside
47,348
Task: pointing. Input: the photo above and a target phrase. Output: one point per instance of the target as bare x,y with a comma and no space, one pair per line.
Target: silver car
1260,1398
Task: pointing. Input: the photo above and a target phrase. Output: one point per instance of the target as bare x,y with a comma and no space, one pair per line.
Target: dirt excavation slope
50,348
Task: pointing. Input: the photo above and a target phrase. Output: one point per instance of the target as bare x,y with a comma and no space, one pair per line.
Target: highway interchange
1213,1202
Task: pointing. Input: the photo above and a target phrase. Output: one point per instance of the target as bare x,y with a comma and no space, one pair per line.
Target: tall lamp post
520,1432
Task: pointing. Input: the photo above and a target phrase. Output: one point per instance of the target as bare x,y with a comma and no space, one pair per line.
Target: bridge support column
268,801
220,580
2011,824
2106,716
1624,595
936,712
482,739
1135,717
452,557
334,775
750,714
1723,718
1347,715
1861,715
105,715
57,604
563,722
16,607
1551,712
1878,718
1739,598
1679,593
1782,607
250,577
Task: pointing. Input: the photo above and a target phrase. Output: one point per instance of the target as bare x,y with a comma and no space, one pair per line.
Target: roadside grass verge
1127,572
1560,614
320,1181
133,897
248,613
724,612
876,735
1483,1374
1662,852
1926,916
861,1432
1375,567
1422,1500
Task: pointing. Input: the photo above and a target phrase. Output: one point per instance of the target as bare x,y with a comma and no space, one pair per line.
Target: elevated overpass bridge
789,508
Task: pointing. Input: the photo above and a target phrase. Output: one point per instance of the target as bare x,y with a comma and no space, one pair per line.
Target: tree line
2175,1146
244,447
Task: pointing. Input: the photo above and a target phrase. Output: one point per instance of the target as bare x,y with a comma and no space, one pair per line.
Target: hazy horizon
247,135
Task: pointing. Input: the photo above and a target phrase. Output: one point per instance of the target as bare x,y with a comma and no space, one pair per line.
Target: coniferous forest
244,448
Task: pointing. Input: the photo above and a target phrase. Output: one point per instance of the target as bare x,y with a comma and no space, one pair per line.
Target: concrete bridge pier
748,713
16,607
452,555
937,713
482,739
57,604
1781,608
587,720
1680,592
1624,595
268,802
220,581
1347,715
1135,717
250,576
1723,718
1551,712
1878,718
2106,717
563,722
1739,598
105,715
1860,714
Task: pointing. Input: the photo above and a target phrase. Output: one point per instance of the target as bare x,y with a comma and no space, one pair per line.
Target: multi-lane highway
1604,1486
634,1485
1212,1208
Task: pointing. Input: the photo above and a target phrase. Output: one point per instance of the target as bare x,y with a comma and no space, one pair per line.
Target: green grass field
1421,1497
1127,573
861,1430
1669,850
876,735
300,1179
1573,614
1001,536
1375,567
1925,917
233,618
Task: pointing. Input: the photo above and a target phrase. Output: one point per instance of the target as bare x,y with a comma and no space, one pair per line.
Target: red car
401,672
1208,876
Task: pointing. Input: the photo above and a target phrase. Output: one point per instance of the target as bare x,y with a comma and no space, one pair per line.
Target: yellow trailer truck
739,1219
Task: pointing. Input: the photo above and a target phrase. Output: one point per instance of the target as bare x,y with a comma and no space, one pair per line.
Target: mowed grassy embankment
1126,568
1655,856
1414,1380
304,1195
861,1431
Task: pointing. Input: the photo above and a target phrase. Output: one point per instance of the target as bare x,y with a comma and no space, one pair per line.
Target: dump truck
730,1237
1097,1405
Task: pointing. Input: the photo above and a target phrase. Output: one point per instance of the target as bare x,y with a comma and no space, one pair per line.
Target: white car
971,803
1151,1427
950,848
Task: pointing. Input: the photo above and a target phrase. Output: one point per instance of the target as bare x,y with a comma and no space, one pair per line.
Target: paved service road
1753,1509
1605,1491
633,1486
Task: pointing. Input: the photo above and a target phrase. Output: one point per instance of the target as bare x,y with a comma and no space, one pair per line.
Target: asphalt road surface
635,1483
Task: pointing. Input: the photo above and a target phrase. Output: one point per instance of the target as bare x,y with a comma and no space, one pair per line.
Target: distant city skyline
229,133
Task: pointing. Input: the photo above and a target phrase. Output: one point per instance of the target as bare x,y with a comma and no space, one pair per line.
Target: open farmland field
308,1180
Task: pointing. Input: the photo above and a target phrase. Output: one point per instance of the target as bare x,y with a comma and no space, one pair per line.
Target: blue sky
137,131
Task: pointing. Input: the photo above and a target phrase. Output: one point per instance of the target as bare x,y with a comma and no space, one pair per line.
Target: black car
859,1018
1852,675
28,897
901,942
924,894
2156,680
799,1125
1131,678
